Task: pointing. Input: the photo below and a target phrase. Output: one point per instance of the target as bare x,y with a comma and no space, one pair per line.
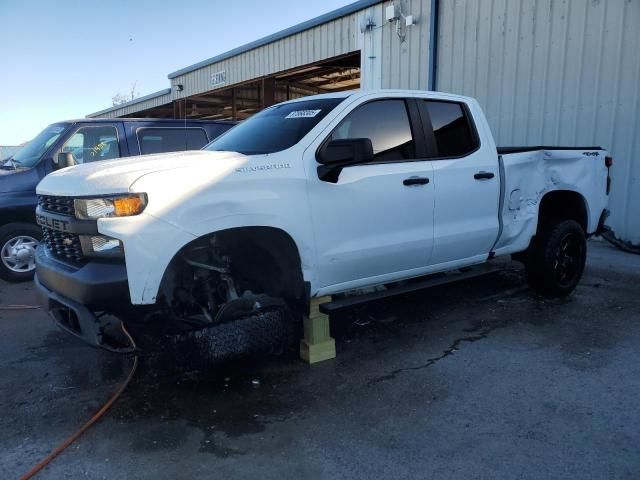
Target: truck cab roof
134,120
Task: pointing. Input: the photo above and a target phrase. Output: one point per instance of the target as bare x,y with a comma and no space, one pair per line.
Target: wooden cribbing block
317,344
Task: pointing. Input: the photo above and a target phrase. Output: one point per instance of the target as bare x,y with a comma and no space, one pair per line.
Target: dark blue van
74,142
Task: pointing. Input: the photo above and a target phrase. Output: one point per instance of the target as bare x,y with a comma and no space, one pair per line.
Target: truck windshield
30,154
274,129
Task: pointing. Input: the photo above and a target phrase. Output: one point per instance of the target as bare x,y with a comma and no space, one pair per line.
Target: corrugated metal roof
151,96
314,22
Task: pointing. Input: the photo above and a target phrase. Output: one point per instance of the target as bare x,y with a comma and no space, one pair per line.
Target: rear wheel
18,242
558,258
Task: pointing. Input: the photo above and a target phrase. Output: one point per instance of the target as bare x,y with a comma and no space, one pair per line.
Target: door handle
483,175
415,181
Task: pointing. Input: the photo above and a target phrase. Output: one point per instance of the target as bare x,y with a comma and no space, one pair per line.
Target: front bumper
72,294
97,283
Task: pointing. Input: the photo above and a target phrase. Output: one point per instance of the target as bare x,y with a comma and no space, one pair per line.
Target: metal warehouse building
547,72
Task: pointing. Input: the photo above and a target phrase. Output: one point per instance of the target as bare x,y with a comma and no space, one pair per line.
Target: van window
386,124
452,129
93,143
161,139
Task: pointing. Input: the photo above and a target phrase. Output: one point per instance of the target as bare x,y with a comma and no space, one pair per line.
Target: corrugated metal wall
328,40
563,72
390,60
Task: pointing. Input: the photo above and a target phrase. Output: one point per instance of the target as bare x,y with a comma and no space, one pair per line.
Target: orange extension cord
60,448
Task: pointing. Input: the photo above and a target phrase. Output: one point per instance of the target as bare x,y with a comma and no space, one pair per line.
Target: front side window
91,144
275,128
453,132
162,140
386,124
31,153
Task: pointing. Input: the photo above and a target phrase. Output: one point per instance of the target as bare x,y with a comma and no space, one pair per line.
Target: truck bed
529,172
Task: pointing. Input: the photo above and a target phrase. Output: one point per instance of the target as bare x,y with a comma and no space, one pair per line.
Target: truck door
377,219
466,182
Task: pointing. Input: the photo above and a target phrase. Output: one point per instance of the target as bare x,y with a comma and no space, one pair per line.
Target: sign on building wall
218,78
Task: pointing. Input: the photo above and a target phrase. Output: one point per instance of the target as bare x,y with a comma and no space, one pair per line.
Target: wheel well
562,205
263,260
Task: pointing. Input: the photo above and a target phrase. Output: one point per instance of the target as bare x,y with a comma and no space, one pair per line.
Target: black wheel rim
568,261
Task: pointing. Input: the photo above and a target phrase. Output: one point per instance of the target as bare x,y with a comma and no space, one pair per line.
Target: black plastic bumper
79,321
96,283
72,294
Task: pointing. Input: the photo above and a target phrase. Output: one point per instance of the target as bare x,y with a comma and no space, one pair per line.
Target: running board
415,285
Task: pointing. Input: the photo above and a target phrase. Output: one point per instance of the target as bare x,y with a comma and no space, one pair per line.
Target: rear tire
18,242
557,261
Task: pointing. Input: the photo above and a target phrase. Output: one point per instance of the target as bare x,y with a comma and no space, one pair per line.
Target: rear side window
386,124
454,134
161,140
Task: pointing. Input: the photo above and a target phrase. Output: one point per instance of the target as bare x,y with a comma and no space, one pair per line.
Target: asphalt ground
477,380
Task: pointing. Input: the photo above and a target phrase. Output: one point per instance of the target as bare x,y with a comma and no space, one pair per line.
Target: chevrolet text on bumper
318,196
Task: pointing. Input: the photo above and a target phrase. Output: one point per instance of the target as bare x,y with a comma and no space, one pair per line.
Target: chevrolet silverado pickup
324,195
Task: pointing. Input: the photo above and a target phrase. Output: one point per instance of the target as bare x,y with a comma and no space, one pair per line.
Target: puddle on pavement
228,400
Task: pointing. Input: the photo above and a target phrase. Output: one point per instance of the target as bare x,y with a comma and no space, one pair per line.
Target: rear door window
161,140
454,132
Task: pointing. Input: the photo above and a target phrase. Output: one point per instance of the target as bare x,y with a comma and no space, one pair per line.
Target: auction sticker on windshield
303,114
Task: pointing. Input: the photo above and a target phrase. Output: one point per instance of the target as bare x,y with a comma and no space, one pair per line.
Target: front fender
192,204
151,243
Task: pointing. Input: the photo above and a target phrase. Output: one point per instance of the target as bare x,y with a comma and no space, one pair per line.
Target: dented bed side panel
529,176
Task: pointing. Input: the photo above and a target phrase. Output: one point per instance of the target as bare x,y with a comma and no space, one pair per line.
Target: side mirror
65,159
337,154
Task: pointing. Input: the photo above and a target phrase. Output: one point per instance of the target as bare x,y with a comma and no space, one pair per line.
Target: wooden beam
268,91
234,105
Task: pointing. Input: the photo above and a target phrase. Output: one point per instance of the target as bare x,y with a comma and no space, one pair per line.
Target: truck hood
117,176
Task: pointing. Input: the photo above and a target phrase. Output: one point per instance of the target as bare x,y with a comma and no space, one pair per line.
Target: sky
65,59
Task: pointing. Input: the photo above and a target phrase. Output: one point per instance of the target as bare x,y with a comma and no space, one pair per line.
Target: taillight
608,161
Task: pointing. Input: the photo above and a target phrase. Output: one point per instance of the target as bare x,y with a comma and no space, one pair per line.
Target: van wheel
558,259
18,242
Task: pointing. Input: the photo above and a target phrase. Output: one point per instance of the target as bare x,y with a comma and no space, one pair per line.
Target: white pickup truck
318,196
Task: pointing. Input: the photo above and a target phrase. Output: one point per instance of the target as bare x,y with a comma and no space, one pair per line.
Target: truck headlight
101,246
116,206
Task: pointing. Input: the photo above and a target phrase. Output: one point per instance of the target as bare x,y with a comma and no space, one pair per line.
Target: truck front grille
61,205
62,244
